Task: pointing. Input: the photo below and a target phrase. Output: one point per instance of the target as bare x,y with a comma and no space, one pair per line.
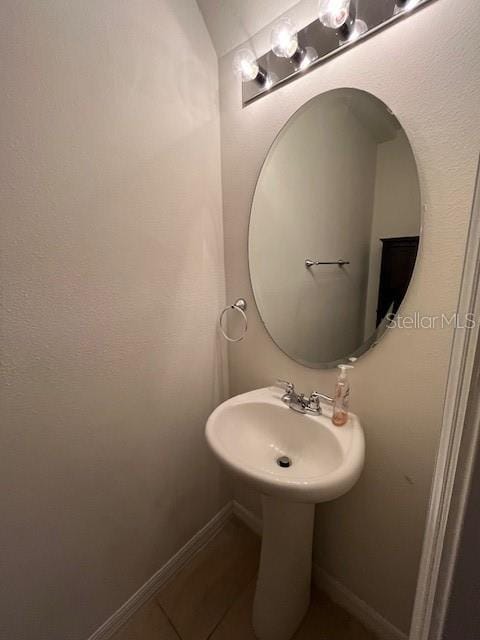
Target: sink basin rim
315,488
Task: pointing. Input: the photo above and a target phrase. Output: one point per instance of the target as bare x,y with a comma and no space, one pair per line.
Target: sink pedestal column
283,586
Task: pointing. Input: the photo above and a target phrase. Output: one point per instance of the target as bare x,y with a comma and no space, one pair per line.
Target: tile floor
211,598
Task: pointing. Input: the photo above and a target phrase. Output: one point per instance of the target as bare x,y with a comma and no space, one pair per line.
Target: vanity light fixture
337,25
341,15
246,67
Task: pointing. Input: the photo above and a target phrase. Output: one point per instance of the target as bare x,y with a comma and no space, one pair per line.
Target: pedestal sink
294,460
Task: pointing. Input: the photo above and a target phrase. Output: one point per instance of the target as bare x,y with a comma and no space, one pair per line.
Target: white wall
112,278
396,211
302,208
427,70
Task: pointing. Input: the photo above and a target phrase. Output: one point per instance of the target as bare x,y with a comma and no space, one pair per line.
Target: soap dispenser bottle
341,397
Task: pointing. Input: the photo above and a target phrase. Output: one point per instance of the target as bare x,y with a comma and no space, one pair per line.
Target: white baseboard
359,609
140,597
334,589
337,592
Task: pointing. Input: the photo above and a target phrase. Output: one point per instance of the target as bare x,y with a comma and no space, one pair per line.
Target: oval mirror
334,228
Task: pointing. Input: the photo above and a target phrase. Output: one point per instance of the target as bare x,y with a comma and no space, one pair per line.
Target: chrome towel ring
241,306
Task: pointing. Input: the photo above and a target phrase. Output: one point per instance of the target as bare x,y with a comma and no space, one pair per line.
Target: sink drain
284,462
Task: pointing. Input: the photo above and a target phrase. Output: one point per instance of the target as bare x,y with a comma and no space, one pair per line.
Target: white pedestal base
283,586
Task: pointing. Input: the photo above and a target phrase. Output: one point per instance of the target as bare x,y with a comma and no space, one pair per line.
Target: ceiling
231,22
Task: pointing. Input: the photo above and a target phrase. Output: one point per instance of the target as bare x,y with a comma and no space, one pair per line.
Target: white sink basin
250,432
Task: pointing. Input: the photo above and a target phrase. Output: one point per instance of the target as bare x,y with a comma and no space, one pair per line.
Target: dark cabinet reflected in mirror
398,261
334,228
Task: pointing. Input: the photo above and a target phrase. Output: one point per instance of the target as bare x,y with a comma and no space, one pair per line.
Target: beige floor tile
237,624
198,597
325,620
148,623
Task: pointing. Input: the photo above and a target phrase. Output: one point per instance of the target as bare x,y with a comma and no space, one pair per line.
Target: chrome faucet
299,401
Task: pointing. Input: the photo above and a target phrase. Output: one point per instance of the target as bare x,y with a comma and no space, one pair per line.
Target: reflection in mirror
334,228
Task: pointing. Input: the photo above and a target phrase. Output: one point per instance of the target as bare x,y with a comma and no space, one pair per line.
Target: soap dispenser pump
341,397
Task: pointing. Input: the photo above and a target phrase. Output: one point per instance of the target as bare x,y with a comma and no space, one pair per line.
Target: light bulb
245,65
333,13
284,38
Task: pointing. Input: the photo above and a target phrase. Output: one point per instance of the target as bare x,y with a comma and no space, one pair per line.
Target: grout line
237,598
219,622
170,621
229,607
227,611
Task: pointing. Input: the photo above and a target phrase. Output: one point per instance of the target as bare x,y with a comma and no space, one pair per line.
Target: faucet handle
316,398
314,401
288,387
